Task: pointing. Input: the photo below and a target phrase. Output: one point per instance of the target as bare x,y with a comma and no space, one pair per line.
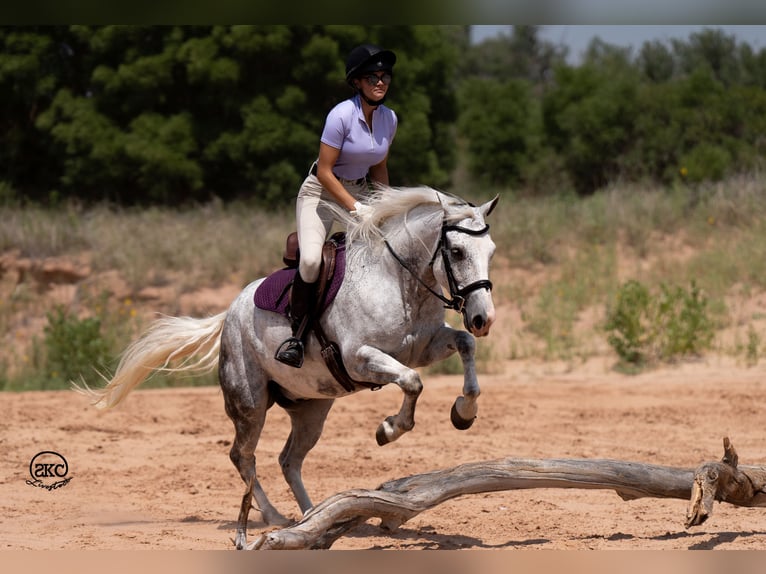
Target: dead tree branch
725,481
397,501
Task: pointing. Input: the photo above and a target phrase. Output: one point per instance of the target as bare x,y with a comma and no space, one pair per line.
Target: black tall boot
302,303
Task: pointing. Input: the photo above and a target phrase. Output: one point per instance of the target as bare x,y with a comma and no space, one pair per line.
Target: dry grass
559,262
207,245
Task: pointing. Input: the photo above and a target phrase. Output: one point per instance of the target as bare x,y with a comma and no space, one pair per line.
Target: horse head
461,264
418,223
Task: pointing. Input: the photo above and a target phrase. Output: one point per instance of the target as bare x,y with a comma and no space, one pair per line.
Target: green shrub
627,323
643,328
74,348
683,327
706,162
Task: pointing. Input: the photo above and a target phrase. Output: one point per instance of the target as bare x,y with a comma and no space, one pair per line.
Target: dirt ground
154,473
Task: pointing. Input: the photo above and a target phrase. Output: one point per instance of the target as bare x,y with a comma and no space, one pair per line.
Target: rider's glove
362,211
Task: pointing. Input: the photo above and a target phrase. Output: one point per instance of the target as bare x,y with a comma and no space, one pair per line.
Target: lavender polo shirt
346,130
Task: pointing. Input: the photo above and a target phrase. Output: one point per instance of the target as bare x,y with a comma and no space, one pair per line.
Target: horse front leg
404,421
374,366
466,407
444,344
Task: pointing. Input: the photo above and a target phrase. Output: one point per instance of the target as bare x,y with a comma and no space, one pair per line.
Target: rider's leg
302,305
314,224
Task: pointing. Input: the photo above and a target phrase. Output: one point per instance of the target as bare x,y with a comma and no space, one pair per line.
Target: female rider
354,147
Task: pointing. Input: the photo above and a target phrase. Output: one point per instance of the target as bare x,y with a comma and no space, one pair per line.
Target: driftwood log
397,501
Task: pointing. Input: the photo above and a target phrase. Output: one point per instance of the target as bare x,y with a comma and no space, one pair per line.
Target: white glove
362,211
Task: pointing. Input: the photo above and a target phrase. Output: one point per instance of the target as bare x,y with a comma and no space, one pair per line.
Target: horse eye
457,253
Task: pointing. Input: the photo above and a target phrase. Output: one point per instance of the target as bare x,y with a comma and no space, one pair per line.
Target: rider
354,147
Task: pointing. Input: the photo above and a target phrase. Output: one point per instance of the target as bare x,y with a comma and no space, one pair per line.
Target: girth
330,350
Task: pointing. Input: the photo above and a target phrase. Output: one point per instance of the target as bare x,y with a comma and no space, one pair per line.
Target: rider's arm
328,155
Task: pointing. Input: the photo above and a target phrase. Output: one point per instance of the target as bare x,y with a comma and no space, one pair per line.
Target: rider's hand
362,211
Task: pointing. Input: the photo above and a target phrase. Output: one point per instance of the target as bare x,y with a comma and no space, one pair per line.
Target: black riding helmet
367,58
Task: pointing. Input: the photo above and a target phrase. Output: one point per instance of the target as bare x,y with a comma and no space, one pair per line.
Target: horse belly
311,381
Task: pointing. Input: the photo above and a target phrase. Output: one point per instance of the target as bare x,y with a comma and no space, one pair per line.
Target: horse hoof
459,422
241,541
381,436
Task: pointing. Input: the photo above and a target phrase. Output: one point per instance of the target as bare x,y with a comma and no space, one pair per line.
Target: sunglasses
373,79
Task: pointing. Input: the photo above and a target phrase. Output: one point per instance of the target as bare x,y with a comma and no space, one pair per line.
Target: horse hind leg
307,422
242,455
246,405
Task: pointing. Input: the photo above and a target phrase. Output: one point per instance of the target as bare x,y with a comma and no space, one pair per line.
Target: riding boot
302,303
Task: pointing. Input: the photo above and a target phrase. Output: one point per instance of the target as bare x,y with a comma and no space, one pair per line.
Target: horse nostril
478,322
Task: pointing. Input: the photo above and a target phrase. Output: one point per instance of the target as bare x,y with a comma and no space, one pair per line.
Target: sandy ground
154,473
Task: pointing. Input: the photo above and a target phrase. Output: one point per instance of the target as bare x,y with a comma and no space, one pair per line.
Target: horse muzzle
478,317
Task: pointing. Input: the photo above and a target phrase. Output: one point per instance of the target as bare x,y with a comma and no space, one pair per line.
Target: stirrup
290,352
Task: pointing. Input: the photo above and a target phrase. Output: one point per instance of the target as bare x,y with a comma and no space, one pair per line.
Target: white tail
193,342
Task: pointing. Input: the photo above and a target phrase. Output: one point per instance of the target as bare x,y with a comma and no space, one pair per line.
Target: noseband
458,295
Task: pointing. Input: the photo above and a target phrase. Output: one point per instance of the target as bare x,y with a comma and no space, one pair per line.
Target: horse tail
192,343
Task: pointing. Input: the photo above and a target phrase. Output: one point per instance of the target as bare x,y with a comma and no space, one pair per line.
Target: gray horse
387,319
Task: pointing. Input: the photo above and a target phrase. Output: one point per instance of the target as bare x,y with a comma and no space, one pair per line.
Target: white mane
392,202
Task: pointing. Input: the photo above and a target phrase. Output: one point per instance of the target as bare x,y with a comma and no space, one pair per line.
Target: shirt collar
359,111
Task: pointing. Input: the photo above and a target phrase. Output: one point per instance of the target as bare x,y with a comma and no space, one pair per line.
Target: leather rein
458,295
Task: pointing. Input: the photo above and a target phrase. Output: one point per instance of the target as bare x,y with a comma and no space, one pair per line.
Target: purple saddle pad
271,294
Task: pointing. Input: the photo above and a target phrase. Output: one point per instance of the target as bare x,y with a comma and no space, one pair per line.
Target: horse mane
387,203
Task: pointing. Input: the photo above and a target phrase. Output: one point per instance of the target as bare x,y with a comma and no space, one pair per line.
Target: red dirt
154,473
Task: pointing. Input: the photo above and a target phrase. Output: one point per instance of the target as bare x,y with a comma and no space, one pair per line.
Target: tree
520,55
496,120
589,117
656,62
35,62
166,114
714,50
753,66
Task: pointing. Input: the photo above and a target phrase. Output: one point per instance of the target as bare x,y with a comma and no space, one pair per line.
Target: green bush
644,328
684,327
706,162
74,348
627,323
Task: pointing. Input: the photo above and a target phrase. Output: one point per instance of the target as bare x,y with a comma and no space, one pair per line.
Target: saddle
331,274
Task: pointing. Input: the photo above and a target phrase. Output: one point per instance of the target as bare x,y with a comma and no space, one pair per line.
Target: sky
577,37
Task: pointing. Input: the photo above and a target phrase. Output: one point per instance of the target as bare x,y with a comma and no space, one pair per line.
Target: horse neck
414,240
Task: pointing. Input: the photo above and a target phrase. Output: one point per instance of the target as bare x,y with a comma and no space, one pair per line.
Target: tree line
138,115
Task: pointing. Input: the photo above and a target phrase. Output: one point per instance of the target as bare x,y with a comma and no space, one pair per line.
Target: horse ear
487,208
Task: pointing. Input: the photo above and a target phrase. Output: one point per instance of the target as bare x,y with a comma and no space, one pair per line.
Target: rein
457,295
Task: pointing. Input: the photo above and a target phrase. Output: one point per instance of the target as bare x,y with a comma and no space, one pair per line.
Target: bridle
458,295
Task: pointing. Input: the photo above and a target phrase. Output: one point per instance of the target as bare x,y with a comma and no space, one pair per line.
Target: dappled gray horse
387,319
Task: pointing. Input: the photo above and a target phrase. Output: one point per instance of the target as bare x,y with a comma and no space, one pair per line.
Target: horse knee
466,344
412,385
